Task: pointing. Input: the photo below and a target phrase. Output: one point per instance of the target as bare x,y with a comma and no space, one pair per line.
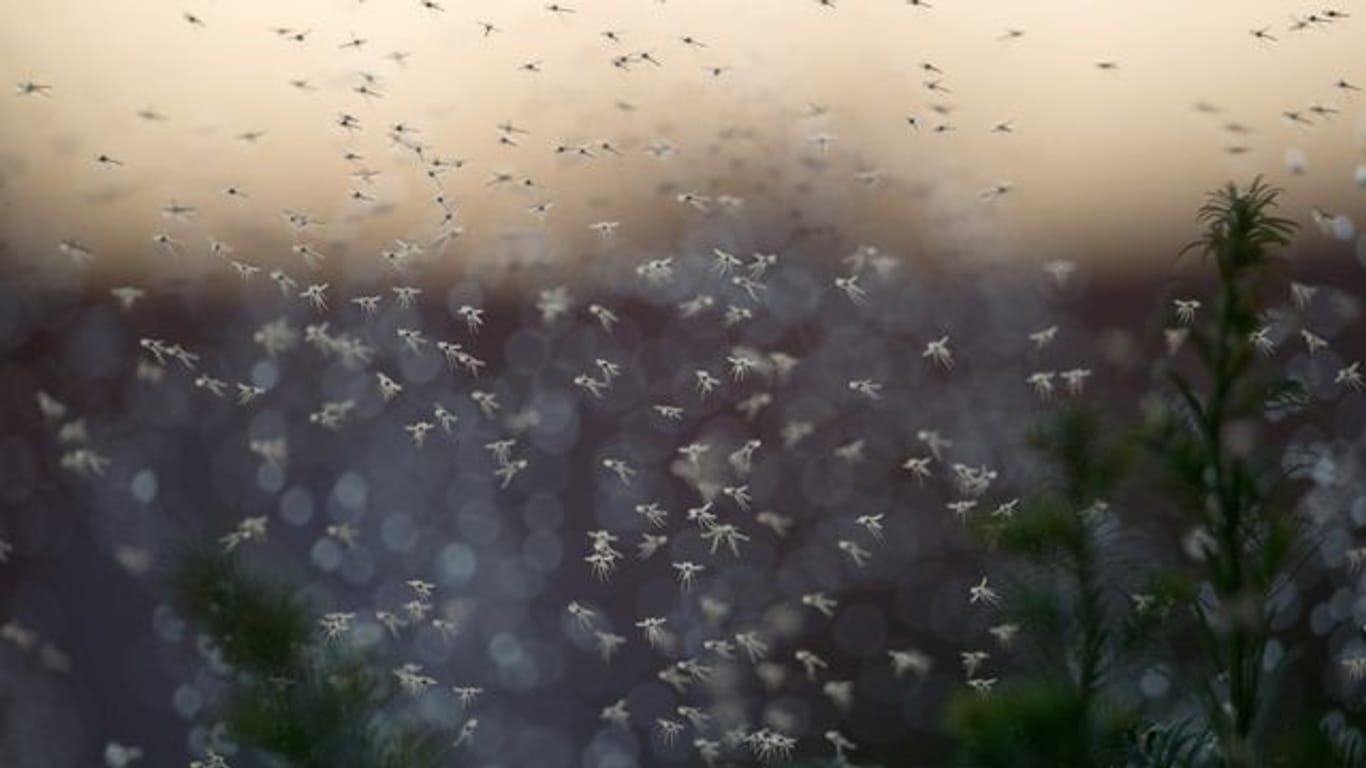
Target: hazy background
1105,165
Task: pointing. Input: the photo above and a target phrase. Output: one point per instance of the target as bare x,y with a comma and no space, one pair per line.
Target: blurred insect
467,732
810,662
982,685
938,352
412,339
1350,376
919,467
29,88
695,305
669,412
687,572
820,602
972,662
981,593
474,318
856,553
1042,382
117,755
775,522
248,392
910,660
606,318
849,285
216,386
388,388
1075,379
620,468
418,431
1004,633
705,382
1175,339
582,615
1312,341
1060,270
873,524
1185,309
466,695
755,648
607,644
127,295
248,529
653,629
851,452
617,714
649,545
506,472
316,295
724,262
867,387
486,401
211,760
334,625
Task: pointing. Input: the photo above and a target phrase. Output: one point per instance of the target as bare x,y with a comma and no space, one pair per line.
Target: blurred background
987,170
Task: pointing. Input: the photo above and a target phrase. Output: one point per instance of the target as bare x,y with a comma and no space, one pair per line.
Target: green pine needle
308,705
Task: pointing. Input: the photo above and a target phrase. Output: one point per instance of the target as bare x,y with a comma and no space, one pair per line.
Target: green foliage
302,719
1060,715
1318,744
310,705
1240,231
407,747
258,627
1090,467
1036,723
1250,538
1225,491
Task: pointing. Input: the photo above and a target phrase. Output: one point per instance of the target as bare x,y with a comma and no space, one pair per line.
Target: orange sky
1097,160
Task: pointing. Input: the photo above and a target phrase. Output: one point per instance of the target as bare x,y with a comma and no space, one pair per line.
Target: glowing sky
1100,162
